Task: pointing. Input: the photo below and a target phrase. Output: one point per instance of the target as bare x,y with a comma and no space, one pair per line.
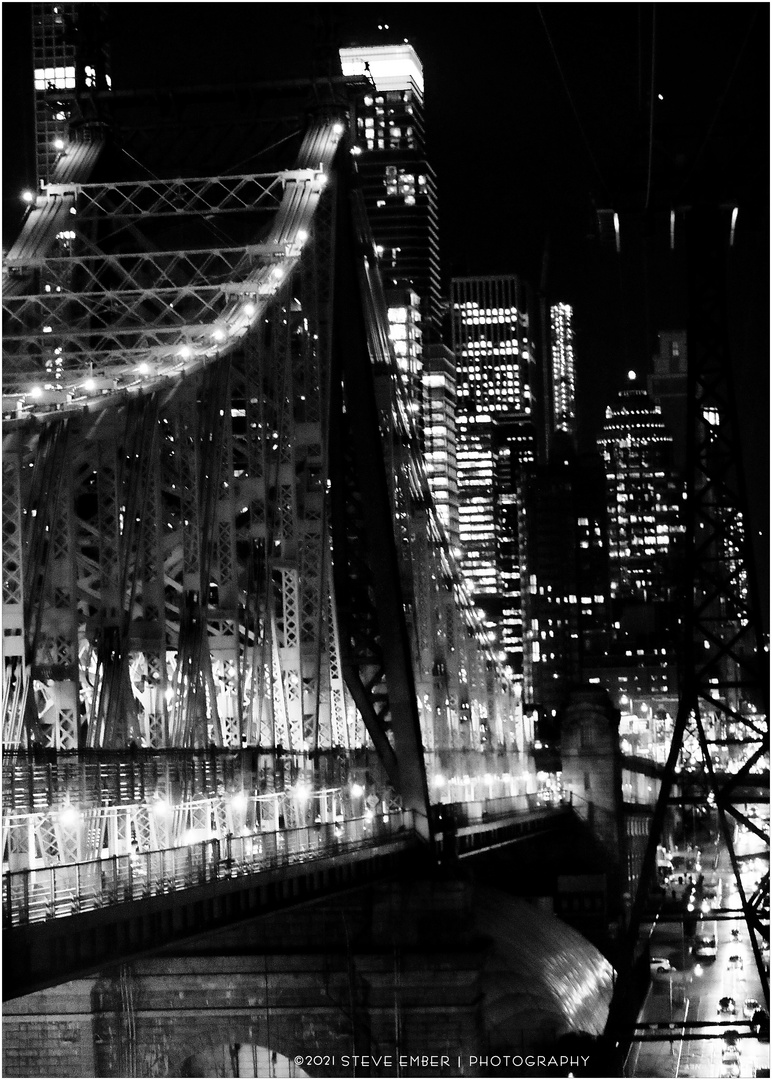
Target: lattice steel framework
720,747
186,562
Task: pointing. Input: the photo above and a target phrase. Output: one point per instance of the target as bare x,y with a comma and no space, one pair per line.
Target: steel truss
720,743
175,571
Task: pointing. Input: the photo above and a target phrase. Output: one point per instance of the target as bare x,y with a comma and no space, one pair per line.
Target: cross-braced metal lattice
176,563
719,755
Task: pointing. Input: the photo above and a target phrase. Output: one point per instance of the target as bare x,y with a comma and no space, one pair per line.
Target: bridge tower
230,603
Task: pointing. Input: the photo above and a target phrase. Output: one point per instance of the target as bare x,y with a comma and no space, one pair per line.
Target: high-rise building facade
439,434
644,519
667,386
563,368
70,55
397,182
497,439
565,591
515,449
399,191
405,331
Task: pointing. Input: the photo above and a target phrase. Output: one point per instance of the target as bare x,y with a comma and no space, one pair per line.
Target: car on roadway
750,1006
659,965
760,1025
727,1005
735,962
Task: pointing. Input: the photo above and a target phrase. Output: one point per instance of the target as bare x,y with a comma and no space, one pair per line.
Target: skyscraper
496,439
439,434
667,386
70,55
399,192
398,184
642,497
563,368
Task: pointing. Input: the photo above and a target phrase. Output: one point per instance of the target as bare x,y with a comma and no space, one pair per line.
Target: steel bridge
242,665
238,646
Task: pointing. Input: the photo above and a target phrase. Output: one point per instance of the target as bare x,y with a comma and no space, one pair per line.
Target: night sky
537,116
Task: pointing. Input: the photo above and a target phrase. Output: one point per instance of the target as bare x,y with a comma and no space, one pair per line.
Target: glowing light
302,792
161,808
239,802
219,334
89,385
357,791
321,179
69,816
144,369
735,212
632,375
193,836
356,150
28,196
277,273
36,392
438,780
58,144
338,129
249,310
48,329
169,695
660,97
186,352
302,236
73,210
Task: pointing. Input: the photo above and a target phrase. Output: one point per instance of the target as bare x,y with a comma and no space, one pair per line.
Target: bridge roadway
65,921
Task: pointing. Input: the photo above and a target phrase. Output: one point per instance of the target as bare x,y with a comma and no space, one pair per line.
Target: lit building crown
392,67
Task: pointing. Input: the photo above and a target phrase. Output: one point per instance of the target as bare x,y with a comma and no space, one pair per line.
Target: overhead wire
213,229
722,101
264,150
571,102
651,102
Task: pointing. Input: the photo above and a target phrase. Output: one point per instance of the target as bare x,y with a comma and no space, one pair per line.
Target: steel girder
724,693
170,559
124,317
407,655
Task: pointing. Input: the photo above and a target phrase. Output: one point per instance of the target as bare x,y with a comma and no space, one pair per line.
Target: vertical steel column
16,674
723,660
352,365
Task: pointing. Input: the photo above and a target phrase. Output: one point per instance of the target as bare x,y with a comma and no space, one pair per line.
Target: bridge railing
37,895
474,813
